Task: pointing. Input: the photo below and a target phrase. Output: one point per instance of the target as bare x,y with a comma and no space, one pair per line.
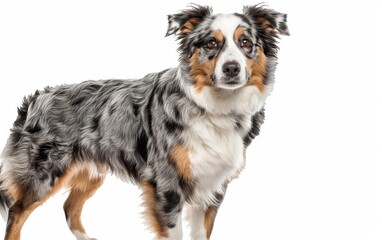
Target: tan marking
201,72
24,205
218,35
150,213
257,70
179,155
82,188
189,25
239,31
209,219
265,24
19,217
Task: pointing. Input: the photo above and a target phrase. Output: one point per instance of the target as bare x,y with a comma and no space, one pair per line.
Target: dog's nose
231,69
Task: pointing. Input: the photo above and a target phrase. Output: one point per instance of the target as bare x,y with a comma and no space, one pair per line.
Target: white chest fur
216,154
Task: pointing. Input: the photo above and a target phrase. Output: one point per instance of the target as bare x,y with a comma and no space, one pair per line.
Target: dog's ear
268,19
186,21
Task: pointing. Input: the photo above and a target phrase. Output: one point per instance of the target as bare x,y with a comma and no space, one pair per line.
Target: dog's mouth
229,83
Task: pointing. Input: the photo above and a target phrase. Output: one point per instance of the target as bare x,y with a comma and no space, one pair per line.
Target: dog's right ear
186,21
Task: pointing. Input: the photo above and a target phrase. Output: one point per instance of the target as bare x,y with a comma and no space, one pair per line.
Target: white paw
82,236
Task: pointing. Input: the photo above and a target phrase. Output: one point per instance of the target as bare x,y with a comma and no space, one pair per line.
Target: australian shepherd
180,134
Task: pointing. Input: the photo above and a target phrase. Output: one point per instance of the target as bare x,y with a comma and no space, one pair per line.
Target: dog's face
227,51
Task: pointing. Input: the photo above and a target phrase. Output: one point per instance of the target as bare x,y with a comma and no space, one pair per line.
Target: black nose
231,69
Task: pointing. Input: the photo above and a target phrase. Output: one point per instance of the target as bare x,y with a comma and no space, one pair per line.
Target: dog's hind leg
83,186
24,204
17,215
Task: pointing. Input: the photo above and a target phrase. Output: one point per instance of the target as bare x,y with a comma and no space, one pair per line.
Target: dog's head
227,51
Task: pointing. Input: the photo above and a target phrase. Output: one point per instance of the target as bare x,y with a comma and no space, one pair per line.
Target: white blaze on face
227,24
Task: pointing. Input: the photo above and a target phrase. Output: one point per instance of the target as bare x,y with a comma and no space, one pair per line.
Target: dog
180,134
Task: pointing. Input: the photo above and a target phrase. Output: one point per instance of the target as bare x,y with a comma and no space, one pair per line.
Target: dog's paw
82,236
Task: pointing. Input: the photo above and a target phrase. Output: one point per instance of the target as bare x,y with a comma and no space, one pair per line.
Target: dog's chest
216,153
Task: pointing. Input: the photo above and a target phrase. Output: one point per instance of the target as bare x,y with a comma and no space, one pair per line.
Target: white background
312,174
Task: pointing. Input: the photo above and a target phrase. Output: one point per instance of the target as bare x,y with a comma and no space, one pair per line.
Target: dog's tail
5,201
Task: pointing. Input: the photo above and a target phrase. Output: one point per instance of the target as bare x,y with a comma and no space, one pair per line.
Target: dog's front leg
163,210
202,218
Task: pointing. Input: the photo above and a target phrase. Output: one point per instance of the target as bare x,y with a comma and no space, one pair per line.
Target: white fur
227,24
95,171
217,148
279,19
195,216
173,25
82,236
216,155
245,100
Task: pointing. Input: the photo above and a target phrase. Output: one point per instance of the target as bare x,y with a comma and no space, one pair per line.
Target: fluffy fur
180,134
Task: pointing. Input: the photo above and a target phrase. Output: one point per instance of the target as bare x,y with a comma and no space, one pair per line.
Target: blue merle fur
127,125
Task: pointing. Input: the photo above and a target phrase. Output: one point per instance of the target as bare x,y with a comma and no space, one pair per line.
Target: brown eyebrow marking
218,35
239,31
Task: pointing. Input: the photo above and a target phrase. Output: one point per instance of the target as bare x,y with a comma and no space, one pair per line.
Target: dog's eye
212,44
246,43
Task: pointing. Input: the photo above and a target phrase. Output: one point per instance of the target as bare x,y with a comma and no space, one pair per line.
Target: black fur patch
187,188
95,123
142,146
78,100
177,113
43,151
172,126
136,109
33,128
76,150
172,200
56,173
257,120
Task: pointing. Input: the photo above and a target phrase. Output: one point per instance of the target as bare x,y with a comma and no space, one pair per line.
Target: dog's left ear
268,19
186,21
